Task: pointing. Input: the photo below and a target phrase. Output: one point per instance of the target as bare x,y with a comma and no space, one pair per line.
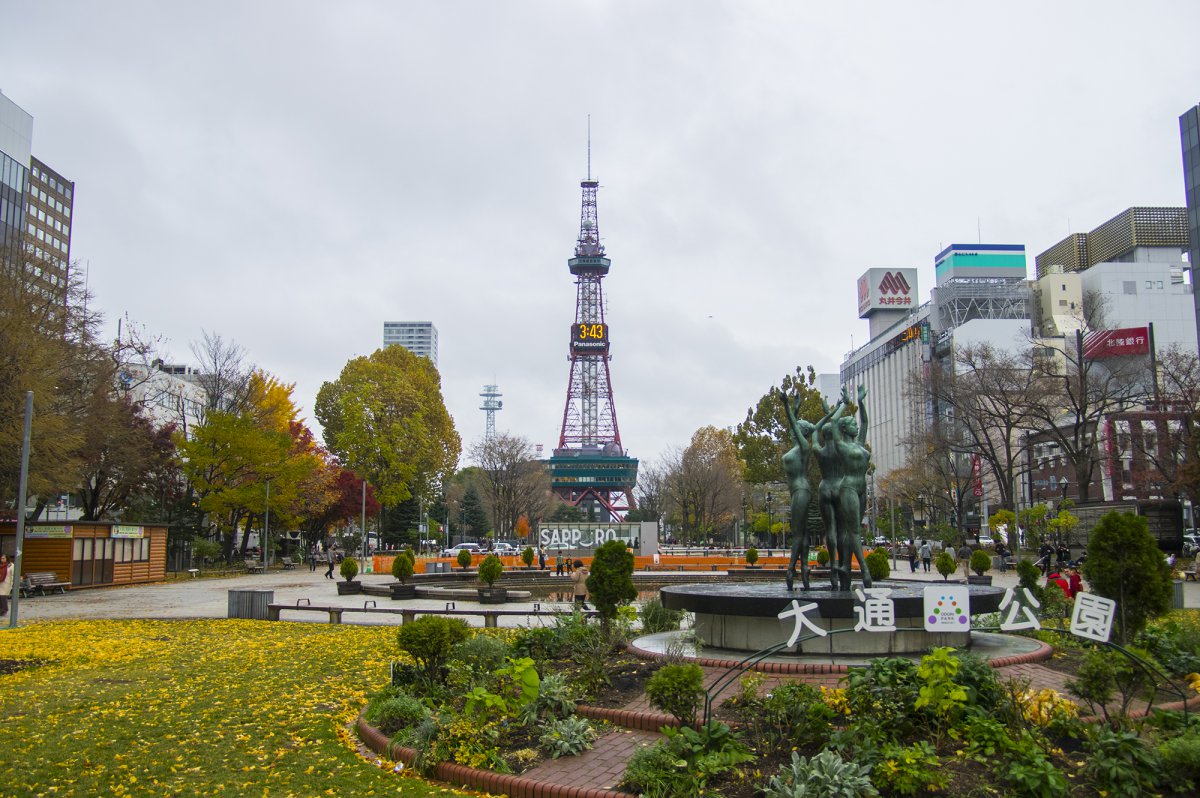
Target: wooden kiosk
91,553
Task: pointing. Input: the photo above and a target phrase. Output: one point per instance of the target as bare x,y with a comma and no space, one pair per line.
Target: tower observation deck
589,468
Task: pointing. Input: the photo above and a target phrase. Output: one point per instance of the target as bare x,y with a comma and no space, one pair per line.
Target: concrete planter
403,592
986,579
345,588
493,595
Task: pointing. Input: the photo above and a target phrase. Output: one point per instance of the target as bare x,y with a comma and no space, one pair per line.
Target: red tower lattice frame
589,464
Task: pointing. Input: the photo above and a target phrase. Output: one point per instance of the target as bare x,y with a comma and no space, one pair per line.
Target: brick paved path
603,766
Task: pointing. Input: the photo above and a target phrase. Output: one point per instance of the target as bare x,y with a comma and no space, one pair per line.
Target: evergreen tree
610,582
399,523
1125,564
474,515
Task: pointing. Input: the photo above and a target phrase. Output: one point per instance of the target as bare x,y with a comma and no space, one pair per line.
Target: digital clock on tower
589,336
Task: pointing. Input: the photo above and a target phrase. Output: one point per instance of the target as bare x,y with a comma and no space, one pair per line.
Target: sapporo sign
587,535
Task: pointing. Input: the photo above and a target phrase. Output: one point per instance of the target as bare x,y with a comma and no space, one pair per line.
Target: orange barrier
382,564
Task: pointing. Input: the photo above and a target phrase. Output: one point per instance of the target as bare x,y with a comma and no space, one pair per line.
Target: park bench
1189,574
288,565
407,615
254,567
42,581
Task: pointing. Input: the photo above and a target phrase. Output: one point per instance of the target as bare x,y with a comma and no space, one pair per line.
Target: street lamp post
266,525
1062,486
770,518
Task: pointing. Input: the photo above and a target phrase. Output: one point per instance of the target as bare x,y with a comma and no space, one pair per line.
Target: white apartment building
418,337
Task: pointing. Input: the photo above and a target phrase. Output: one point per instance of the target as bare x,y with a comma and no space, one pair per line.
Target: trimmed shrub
1125,564
751,555
429,640
1181,758
981,562
403,565
877,565
490,569
677,690
394,711
944,563
349,569
610,582
463,559
527,556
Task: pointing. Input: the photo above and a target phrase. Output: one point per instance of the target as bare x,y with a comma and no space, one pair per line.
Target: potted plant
751,557
463,559
489,571
527,557
349,570
980,563
402,569
944,563
822,556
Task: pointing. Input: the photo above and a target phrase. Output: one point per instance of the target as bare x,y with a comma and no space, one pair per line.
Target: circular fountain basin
744,617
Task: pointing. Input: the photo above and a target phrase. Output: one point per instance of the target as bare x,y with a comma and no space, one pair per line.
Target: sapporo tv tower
589,468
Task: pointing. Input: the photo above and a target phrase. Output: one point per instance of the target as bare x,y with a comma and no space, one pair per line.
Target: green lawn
220,707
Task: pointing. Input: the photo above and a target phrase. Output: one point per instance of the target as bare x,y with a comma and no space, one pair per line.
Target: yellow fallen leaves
192,708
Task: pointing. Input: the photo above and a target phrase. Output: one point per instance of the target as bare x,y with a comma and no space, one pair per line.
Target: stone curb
486,780
1043,652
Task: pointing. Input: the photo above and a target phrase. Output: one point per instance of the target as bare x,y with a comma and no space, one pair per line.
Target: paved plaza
208,597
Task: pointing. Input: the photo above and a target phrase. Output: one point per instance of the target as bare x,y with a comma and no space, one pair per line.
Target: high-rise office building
35,206
48,203
418,337
1189,136
16,139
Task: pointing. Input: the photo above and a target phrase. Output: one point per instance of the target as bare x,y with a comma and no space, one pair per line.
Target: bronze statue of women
848,442
795,467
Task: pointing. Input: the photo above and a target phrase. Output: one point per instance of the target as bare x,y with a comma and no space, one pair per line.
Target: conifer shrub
429,640
677,690
877,565
403,565
490,569
980,562
944,563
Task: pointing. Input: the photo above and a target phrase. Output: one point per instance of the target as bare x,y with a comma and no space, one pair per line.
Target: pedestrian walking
312,560
558,564
1045,552
579,578
331,558
926,555
6,584
912,556
964,554
541,559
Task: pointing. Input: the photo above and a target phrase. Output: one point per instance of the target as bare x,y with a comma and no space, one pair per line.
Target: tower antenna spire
589,147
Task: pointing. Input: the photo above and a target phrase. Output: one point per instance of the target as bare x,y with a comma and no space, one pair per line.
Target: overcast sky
290,175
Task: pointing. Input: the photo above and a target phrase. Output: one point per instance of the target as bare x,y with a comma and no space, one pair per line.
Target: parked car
1191,544
557,548
986,541
453,551
503,549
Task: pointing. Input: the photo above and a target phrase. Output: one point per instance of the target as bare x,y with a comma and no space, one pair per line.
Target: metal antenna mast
491,403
